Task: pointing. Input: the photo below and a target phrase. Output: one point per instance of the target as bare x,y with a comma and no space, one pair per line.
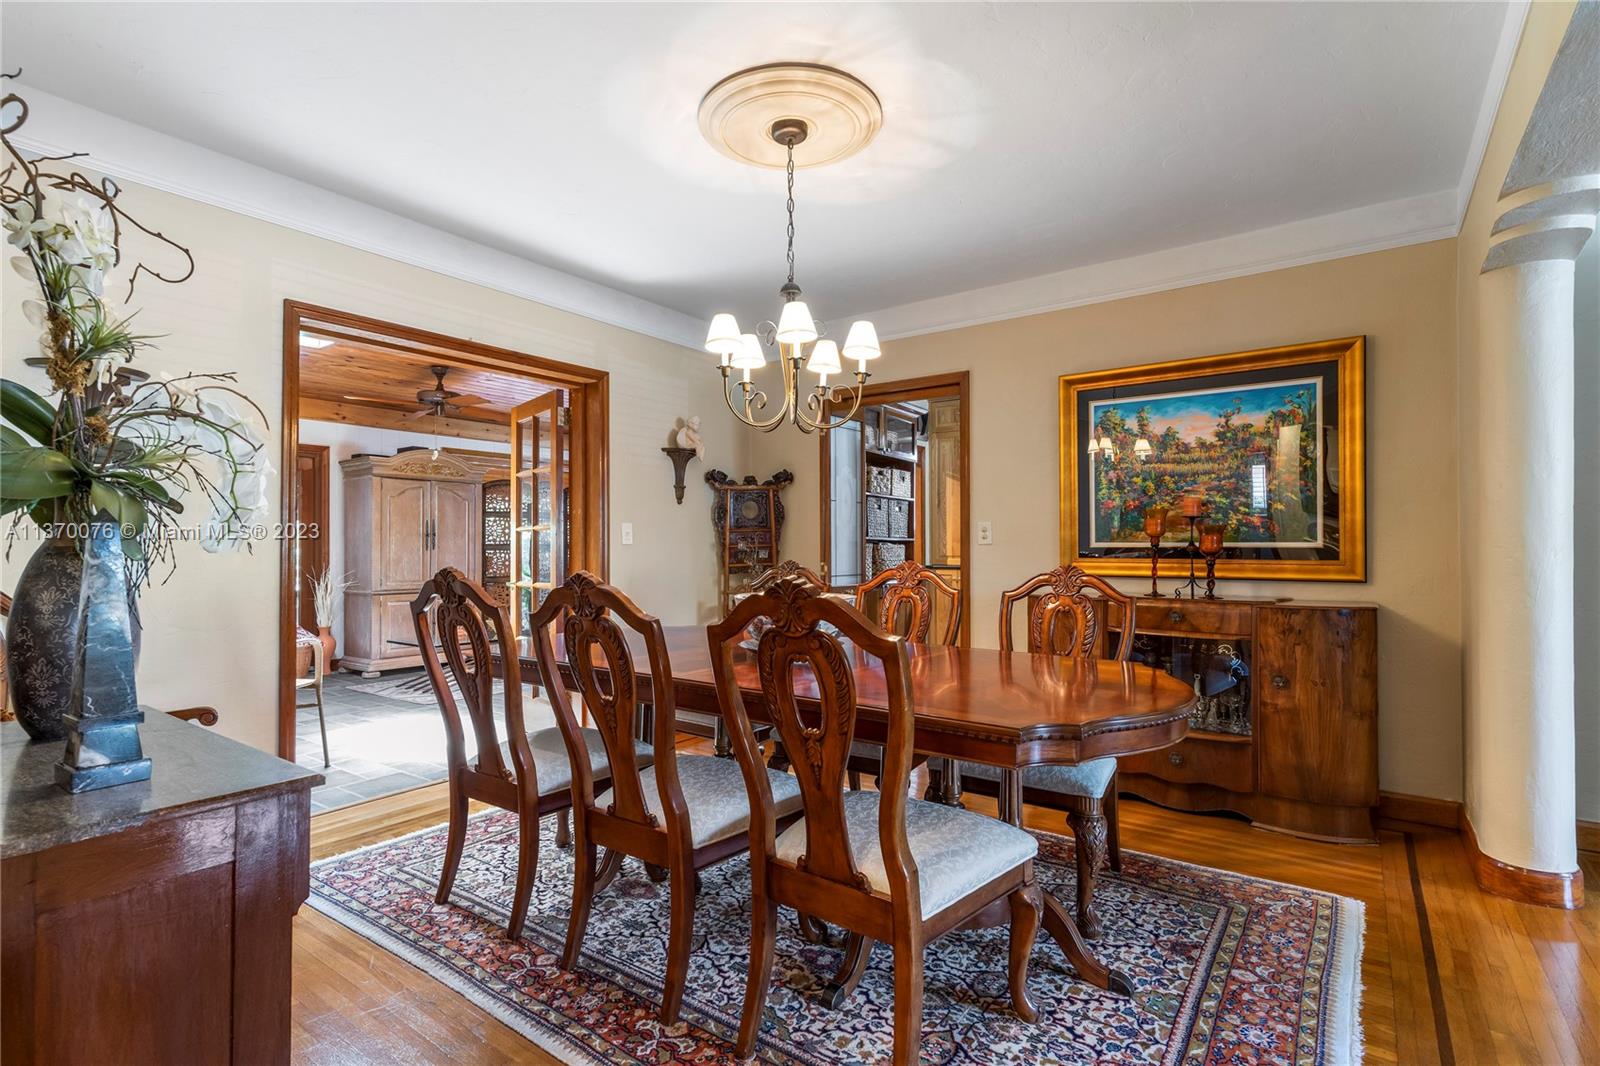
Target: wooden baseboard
1542,887
1589,836
1419,810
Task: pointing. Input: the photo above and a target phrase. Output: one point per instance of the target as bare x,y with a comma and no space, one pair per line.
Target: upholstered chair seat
554,769
956,851
714,793
1089,779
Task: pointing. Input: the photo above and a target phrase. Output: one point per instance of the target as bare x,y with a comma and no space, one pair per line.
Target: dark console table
151,923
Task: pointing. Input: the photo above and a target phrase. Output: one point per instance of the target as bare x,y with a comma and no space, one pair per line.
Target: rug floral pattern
1226,968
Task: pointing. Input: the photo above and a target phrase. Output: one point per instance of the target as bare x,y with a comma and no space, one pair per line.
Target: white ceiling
1019,139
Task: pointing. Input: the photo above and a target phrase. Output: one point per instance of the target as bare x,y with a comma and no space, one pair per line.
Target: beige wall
211,630
1403,300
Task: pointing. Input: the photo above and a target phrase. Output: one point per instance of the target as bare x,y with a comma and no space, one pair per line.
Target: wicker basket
877,517
899,518
880,480
901,481
888,555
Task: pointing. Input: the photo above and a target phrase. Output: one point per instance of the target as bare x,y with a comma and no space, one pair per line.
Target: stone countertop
194,768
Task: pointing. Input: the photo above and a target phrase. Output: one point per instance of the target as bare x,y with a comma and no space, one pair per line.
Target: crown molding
1394,224
1505,53
141,155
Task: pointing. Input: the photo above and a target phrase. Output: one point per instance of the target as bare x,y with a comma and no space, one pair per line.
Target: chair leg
1089,833
680,936
1113,836
907,1000
854,777
812,930
527,868
1027,905
856,953
583,871
1009,797
763,930
609,866
322,720
564,828
454,842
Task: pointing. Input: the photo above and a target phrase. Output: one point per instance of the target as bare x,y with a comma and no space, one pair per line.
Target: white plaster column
1522,794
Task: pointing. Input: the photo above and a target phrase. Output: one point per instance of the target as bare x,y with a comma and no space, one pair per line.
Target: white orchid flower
24,225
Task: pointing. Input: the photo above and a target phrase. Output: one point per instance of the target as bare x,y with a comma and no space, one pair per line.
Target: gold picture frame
1335,462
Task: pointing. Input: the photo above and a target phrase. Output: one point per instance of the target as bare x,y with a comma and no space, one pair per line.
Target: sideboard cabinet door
1317,704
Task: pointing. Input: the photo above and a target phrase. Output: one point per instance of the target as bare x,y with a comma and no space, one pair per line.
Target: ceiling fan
437,401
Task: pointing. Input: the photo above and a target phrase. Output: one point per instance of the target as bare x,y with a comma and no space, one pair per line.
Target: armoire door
457,529
403,512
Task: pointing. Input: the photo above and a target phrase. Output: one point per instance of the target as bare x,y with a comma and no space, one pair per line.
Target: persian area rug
1226,968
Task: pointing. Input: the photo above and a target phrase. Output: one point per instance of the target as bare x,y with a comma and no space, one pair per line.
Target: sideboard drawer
1197,760
1209,618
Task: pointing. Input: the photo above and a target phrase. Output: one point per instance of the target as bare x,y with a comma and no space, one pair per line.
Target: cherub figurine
689,437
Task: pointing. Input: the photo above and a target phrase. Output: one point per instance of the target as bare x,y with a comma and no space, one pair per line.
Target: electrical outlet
627,532
985,532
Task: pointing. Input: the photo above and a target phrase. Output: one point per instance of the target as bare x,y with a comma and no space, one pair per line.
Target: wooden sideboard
1297,749
406,517
152,922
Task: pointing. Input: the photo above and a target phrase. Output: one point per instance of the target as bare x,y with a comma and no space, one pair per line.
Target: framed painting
1272,444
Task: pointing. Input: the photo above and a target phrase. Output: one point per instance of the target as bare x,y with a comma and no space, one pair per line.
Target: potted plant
110,444
324,593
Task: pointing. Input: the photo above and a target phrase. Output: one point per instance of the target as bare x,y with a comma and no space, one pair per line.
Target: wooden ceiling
372,384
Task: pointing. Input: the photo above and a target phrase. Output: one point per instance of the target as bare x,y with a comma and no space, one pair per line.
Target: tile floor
379,745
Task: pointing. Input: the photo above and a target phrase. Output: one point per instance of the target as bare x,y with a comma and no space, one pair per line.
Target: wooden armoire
406,517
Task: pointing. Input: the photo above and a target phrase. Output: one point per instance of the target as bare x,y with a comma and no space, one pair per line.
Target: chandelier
797,341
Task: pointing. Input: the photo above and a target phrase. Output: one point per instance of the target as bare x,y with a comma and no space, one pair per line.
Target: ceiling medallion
841,113
830,115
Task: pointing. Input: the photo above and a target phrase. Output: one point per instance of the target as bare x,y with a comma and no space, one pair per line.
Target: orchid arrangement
114,440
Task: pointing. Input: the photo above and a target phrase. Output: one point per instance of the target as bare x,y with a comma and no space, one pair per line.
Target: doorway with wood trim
411,452
895,486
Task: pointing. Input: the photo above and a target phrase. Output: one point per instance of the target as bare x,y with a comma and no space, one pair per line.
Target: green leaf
35,474
27,410
128,511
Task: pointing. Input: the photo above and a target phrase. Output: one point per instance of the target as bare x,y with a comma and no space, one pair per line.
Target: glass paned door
539,468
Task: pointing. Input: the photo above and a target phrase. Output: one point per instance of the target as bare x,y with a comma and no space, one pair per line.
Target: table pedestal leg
1059,924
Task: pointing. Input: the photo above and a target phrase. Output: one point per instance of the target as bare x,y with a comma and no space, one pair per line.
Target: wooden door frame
319,454
929,387
589,436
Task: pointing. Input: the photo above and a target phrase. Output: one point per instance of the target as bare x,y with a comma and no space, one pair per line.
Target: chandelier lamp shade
797,340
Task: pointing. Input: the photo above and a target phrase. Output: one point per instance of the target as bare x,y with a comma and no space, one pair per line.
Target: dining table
1013,710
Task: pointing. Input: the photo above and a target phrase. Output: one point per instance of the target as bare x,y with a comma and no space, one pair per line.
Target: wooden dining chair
880,865
786,568
528,773
906,607
1064,620
683,812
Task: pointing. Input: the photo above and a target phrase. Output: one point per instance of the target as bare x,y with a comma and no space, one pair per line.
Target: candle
1191,506
1211,540
1155,521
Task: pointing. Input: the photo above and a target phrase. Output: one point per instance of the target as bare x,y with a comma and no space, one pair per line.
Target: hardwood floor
1451,975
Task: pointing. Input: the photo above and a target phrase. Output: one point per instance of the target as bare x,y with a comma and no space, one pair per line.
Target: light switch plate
985,532
627,532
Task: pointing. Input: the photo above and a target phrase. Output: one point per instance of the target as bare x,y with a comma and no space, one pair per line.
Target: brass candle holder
1155,527
1211,547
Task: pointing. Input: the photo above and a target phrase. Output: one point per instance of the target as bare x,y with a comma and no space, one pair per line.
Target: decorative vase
42,638
325,634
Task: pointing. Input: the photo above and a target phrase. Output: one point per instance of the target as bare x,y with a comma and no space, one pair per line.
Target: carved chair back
595,621
787,568
807,680
907,591
1062,615
461,620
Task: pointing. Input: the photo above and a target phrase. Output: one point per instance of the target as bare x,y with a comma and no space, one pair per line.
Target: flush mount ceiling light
791,115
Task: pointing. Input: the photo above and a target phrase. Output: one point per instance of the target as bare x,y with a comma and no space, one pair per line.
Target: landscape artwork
1252,453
